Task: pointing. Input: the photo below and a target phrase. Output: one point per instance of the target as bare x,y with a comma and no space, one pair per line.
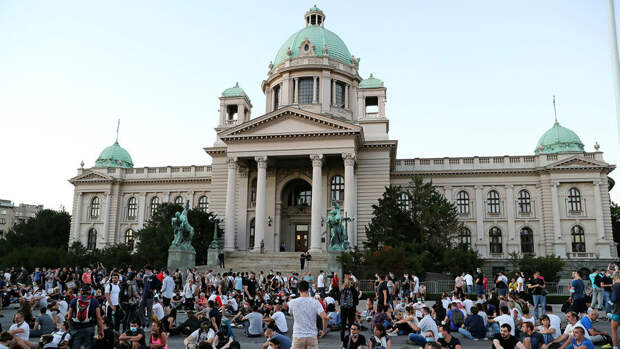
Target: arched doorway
296,207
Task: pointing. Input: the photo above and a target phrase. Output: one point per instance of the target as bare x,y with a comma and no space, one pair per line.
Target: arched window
132,208
252,232
525,205
578,239
129,239
527,240
253,193
337,188
495,240
179,200
91,244
303,195
462,202
203,204
404,202
154,205
465,237
574,200
493,202
95,206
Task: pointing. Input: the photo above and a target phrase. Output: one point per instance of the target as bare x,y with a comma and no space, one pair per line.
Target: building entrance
301,237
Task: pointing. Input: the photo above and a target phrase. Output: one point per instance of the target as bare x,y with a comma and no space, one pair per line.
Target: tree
615,224
157,234
414,228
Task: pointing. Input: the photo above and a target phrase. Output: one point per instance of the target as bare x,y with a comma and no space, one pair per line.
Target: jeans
347,318
146,304
465,333
321,291
479,289
542,300
129,314
84,338
502,291
470,289
246,326
493,329
606,299
417,338
597,298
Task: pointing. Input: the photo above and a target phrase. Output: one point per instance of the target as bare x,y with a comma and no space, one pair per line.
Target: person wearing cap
83,325
274,338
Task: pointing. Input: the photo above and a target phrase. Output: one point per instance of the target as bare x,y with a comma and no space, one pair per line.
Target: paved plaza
331,340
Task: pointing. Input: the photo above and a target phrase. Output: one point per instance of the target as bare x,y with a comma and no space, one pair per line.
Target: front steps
284,262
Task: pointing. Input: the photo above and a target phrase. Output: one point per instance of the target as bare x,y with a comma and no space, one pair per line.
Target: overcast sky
463,78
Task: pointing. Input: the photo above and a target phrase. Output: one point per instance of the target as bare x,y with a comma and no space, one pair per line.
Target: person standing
302,260
145,309
113,311
220,258
479,282
84,314
597,291
129,300
537,287
320,284
305,310
348,304
615,314
469,280
167,288
309,261
577,290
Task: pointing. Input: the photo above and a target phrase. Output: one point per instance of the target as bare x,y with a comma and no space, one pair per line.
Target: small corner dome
235,91
319,37
559,139
371,82
114,156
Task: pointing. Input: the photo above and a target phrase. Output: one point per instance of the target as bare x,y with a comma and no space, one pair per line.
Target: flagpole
614,59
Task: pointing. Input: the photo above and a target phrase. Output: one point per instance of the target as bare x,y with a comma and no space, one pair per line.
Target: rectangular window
339,94
305,90
2,221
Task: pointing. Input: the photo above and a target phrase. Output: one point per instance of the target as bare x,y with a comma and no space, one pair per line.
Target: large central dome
320,38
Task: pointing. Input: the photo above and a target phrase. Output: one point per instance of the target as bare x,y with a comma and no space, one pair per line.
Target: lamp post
348,220
215,244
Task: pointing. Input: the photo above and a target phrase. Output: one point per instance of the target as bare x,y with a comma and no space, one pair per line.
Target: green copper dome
559,139
320,37
371,82
114,156
235,91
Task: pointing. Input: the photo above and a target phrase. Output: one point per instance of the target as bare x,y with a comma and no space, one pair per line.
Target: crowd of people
126,308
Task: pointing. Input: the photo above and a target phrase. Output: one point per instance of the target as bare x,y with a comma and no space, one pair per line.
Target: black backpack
346,299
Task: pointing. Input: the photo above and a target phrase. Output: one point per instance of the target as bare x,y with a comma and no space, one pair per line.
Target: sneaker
392,334
475,339
606,346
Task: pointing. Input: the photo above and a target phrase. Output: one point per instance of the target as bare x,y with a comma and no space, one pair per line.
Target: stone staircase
284,262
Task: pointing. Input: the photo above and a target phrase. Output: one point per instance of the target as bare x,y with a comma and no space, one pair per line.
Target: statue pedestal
333,264
180,258
212,261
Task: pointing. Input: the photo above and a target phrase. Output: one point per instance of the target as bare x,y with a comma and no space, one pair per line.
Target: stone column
229,218
555,203
141,210
600,225
510,212
78,216
314,87
346,96
296,95
106,219
261,196
479,213
349,192
317,202
333,93
448,194
191,199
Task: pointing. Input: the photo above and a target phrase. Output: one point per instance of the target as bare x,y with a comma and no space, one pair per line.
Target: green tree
615,224
157,234
413,228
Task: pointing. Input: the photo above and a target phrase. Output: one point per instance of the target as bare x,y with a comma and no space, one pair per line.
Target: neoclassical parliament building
324,136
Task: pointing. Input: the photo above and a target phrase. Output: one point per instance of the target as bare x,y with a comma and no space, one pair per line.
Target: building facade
11,214
324,139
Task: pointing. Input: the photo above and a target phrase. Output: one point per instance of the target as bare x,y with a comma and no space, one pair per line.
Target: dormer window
306,47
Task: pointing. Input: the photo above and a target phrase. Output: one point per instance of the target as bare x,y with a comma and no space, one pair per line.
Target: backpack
457,317
82,314
346,299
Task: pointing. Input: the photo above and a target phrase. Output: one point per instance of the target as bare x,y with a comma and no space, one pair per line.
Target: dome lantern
314,16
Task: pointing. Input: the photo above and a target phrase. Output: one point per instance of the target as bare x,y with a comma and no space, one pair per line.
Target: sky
463,78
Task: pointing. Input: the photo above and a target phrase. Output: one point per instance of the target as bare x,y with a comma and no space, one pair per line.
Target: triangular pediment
90,176
290,122
576,161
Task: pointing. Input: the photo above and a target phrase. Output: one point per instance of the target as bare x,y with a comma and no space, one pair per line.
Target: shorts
579,305
615,317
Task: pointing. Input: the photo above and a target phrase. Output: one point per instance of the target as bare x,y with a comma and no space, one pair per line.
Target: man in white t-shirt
320,284
279,318
112,292
20,331
467,304
572,320
158,309
504,318
469,281
554,321
304,310
204,334
520,284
